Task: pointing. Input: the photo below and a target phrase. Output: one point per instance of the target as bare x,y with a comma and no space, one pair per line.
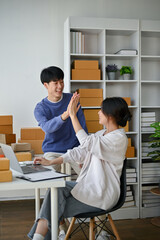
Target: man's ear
46,85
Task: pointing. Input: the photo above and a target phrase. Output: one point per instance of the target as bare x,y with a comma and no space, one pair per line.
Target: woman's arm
45,162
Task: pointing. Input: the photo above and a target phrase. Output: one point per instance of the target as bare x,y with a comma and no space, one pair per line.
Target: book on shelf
128,188
148,119
131,180
151,164
148,149
129,193
77,42
146,144
146,124
147,129
148,114
128,204
131,175
146,189
154,171
127,52
151,205
129,198
130,170
154,179
73,42
156,200
149,195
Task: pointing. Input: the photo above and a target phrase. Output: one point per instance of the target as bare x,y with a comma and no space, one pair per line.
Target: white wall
31,38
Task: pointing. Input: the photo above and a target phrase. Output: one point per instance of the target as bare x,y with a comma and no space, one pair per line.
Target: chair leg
91,229
113,227
70,228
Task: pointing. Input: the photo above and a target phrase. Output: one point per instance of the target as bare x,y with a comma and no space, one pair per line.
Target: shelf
86,81
150,82
158,107
121,81
149,57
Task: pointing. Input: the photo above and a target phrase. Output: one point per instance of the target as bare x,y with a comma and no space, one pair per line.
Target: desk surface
19,184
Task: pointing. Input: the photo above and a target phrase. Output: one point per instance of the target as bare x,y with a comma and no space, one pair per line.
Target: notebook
29,172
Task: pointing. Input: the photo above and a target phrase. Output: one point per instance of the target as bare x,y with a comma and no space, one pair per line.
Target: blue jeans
68,206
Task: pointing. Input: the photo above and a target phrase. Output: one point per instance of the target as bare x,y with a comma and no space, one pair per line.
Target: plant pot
111,75
126,76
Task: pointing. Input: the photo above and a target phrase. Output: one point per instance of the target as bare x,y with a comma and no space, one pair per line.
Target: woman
102,155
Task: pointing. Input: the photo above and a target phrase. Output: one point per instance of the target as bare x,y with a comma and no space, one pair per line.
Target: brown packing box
7,138
4,164
5,176
128,100
34,133
90,102
93,126
21,147
6,129
129,142
24,156
130,152
91,114
6,120
96,93
36,145
85,64
86,74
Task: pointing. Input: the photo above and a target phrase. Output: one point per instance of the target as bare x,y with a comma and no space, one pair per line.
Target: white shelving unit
149,91
103,38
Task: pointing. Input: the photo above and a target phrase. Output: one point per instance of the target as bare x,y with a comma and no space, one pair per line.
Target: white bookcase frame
104,37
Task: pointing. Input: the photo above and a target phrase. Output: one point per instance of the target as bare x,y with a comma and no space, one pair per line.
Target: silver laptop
29,172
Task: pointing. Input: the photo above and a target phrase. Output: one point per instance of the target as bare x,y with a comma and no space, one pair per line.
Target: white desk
19,184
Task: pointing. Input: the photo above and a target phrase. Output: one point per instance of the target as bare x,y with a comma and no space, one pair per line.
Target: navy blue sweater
59,134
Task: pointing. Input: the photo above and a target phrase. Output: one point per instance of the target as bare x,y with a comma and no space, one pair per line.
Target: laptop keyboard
34,169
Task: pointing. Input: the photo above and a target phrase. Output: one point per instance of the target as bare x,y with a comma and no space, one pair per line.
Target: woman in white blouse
102,155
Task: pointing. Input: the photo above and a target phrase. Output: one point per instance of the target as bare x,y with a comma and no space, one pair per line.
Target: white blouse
102,156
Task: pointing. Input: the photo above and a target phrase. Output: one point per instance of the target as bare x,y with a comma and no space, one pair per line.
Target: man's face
55,89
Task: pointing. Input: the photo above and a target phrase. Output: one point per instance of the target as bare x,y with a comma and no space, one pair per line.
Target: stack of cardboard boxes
5,172
86,70
90,98
6,130
22,151
34,136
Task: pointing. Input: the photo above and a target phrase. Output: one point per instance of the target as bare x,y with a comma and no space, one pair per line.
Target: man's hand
42,161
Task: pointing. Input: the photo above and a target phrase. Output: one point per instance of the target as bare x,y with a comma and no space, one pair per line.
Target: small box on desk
93,126
4,164
36,145
7,138
34,133
93,93
86,74
130,152
89,102
6,176
21,147
6,120
85,64
23,156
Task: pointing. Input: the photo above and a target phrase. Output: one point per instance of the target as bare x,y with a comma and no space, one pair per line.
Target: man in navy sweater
52,114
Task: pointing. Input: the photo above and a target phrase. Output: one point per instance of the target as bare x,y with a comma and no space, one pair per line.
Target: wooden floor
17,217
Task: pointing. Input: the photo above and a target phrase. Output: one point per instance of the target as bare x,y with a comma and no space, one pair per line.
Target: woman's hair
117,108
51,74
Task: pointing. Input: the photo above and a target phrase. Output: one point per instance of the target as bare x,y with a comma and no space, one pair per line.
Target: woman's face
103,119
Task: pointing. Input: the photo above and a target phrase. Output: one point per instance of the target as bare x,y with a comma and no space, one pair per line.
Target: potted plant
126,72
111,70
155,143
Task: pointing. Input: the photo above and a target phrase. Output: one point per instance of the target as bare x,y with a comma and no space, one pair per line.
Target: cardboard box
24,156
128,100
5,176
6,120
93,126
129,142
85,64
94,93
90,102
91,114
7,138
34,133
21,147
86,74
6,129
4,164
130,152
36,145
